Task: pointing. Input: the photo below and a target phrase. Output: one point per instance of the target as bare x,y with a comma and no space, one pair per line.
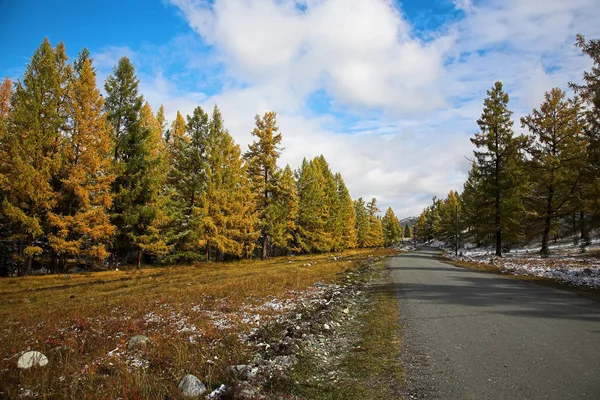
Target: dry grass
195,316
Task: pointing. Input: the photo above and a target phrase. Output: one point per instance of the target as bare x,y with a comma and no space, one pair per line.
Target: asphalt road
475,335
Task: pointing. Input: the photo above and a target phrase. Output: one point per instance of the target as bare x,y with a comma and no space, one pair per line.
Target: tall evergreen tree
135,186
392,231
499,162
375,233
262,158
348,238
330,206
557,158
312,235
362,222
283,211
80,223
32,149
229,215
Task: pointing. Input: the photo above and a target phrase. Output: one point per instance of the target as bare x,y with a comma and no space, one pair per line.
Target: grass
371,368
194,316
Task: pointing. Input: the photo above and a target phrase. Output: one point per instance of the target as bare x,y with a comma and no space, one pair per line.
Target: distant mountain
410,221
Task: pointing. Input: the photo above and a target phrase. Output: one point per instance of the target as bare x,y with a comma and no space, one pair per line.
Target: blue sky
389,91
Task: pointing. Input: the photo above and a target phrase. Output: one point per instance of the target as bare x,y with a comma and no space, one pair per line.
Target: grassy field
195,316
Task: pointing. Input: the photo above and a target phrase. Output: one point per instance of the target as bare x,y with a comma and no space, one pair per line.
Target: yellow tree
228,203
375,233
80,224
349,235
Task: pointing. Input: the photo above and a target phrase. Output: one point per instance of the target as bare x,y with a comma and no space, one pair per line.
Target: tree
450,209
557,152
392,231
589,91
348,239
80,223
136,185
330,207
228,203
408,233
362,222
262,158
32,148
375,232
284,211
499,163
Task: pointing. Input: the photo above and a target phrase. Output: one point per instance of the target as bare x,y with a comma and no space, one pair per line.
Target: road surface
475,335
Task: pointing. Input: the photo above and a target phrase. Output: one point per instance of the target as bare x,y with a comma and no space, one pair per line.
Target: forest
96,181
540,185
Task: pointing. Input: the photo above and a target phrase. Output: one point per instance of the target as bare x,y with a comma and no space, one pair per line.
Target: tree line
99,179
538,185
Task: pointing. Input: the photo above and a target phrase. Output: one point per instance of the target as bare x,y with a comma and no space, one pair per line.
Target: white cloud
419,99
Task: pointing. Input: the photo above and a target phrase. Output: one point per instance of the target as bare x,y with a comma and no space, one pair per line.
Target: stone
32,359
326,327
138,342
217,393
346,310
191,387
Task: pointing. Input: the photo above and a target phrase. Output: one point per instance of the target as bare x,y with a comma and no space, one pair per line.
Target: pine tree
283,211
499,162
362,222
33,148
331,211
228,203
408,232
589,91
557,158
80,223
187,181
450,210
477,209
136,185
419,229
312,235
391,228
375,232
262,158
348,238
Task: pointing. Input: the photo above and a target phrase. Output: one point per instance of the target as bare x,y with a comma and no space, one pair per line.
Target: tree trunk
585,239
498,228
265,252
575,236
547,222
139,261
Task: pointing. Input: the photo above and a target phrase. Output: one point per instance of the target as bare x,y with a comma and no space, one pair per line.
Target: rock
32,359
191,387
326,327
138,342
346,310
217,393
285,361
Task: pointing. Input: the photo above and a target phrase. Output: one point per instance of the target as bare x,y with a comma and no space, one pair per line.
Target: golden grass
87,315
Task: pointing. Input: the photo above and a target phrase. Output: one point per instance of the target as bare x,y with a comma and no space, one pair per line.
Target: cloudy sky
388,91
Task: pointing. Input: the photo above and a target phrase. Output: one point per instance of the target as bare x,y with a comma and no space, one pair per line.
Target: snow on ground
566,263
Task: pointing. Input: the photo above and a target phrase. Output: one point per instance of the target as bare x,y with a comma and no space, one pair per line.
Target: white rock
326,327
191,387
217,393
346,310
138,342
32,359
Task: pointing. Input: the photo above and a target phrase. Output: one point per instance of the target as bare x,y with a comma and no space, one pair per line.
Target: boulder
138,342
191,387
32,359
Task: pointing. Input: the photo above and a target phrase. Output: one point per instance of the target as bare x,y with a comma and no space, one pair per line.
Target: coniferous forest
95,180
540,185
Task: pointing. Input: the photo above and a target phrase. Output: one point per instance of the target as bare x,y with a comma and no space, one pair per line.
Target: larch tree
261,159
33,148
557,152
135,186
375,232
362,222
450,209
391,228
229,215
331,211
499,161
348,239
187,182
407,232
284,211
589,91
5,243
79,224
312,235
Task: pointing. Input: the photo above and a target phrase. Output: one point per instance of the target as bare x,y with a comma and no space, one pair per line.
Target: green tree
375,232
284,211
32,151
262,158
362,222
348,238
557,158
392,231
408,232
312,235
500,165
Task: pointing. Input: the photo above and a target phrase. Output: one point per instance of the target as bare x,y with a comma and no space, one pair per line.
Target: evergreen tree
477,210
348,238
407,232
312,235
391,228
330,206
80,223
262,158
283,211
589,91
362,222
499,163
136,185
557,157
32,150
450,210
229,216
375,232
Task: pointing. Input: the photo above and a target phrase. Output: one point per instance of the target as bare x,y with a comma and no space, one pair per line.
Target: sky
388,91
